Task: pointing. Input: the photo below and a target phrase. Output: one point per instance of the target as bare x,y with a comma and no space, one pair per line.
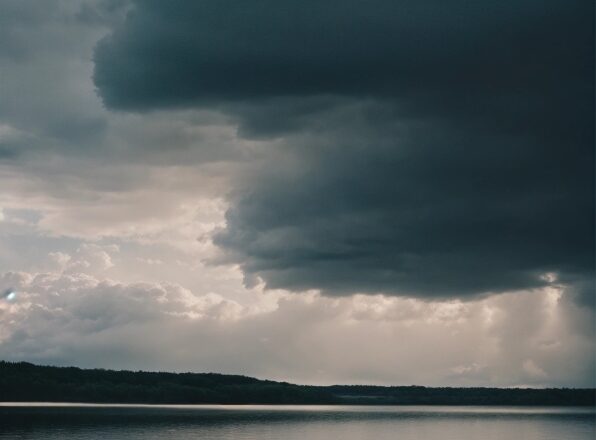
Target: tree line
25,382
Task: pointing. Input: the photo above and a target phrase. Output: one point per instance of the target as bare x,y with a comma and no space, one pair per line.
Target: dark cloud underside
432,148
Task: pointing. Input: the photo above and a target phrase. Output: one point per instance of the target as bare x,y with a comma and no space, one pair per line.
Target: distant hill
25,382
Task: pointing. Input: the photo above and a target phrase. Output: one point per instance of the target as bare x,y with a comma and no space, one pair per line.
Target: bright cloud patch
517,339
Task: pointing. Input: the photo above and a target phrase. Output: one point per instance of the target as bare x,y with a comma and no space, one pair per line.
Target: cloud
428,150
376,206
182,54
73,318
50,107
432,150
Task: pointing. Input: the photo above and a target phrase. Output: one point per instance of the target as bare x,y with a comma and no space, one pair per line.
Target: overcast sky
318,191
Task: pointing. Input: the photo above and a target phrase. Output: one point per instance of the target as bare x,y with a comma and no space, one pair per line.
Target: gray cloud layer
428,149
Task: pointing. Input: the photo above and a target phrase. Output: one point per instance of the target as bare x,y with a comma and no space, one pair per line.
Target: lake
260,422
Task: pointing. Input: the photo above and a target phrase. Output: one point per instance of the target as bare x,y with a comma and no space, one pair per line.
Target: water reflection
106,422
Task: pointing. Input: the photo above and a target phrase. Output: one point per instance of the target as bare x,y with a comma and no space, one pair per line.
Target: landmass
26,382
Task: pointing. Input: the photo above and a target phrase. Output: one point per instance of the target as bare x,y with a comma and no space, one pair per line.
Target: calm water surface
136,422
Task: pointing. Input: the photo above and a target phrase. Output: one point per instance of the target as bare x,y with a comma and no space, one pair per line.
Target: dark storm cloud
179,52
432,148
430,210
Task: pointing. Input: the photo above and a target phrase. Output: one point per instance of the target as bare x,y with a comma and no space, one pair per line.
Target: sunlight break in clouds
64,316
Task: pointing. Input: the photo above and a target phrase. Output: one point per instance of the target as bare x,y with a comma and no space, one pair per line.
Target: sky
380,192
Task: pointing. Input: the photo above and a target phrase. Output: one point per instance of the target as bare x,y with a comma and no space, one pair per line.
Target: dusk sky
319,191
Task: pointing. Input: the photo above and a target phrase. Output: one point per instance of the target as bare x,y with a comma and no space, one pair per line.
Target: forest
26,382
